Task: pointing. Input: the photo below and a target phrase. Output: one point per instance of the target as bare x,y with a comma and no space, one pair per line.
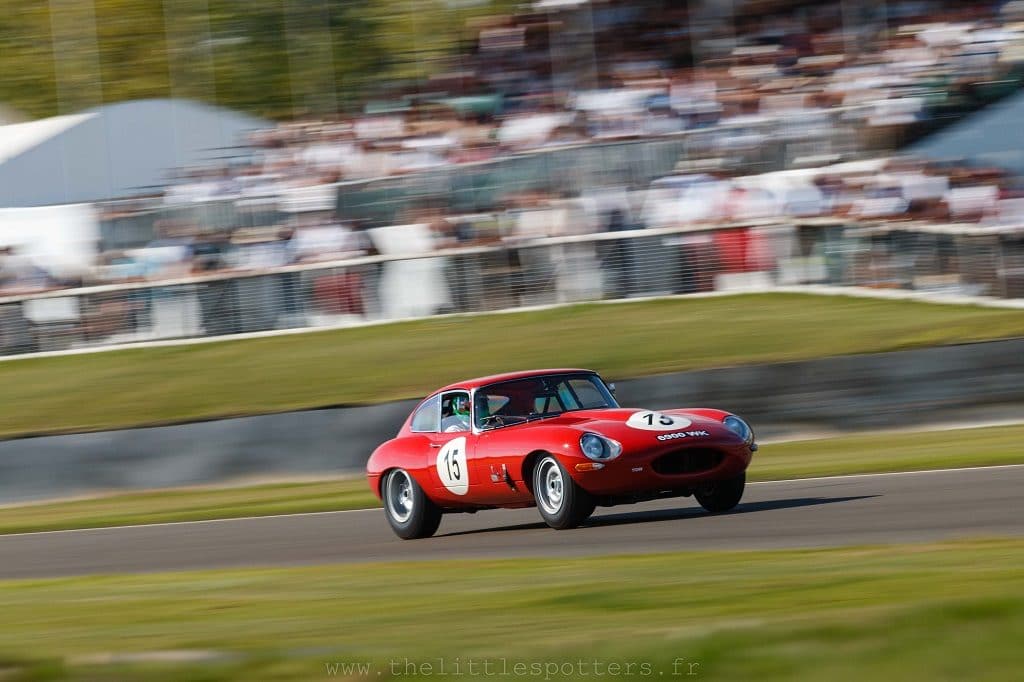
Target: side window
455,412
427,416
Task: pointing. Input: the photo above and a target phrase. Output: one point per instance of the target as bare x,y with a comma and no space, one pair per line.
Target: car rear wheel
721,496
410,512
562,503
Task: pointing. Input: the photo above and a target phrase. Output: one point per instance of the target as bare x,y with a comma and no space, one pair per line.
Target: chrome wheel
562,503
399,496
551,490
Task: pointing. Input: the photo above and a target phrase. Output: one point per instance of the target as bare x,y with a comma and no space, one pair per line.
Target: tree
276,58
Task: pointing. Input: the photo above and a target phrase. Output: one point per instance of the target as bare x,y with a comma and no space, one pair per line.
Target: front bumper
663,469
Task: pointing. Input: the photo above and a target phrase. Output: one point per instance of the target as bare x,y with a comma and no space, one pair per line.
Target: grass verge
379,363
869,453
937,611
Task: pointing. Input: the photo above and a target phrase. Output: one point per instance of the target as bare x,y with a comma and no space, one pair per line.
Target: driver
458,420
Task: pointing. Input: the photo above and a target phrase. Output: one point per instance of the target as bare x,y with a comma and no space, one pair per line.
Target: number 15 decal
647,420
451,466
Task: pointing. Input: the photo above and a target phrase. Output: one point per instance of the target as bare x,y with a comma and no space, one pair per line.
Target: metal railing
615,265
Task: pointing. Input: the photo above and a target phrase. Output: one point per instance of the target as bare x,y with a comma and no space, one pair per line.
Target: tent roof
115,151
17,138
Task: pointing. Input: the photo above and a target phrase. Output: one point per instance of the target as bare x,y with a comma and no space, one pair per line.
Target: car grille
687,461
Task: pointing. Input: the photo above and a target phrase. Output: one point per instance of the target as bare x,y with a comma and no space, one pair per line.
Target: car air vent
687,461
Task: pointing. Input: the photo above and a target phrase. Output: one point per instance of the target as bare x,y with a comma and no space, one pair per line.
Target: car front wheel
410,512
721,496
561,502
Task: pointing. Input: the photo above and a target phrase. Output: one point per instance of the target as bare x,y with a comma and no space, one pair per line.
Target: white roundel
451,466
656,421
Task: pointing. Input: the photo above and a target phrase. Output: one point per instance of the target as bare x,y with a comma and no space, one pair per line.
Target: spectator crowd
536,81
579,73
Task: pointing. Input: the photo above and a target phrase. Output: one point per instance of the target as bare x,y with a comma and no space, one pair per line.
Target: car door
497,465
451,448
497,461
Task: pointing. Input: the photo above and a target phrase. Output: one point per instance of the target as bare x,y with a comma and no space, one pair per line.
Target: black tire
561,503
408,509
721,496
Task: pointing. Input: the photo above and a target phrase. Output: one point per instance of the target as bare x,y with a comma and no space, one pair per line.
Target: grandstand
574,151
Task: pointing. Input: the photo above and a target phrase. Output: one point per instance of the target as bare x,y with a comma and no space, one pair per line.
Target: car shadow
674,514
742,508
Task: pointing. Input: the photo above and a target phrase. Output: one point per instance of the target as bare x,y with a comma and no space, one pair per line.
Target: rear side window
427,418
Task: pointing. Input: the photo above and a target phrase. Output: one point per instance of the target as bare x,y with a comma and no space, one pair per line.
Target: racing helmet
460,405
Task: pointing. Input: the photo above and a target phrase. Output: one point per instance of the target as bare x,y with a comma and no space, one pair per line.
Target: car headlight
599,448
739,427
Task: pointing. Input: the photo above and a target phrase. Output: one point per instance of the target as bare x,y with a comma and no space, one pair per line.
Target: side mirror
611,388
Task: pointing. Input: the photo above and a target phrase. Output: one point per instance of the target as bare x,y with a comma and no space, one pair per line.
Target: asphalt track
822,512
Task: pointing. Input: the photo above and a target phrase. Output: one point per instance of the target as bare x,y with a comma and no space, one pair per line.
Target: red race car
556,439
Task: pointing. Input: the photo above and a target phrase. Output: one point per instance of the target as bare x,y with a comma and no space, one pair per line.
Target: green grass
380,363
881,452
188,504
946,611
844,455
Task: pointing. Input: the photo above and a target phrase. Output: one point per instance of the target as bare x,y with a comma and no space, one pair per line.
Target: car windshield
522,400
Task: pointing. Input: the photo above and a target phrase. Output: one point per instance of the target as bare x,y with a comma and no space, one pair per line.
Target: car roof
470,384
